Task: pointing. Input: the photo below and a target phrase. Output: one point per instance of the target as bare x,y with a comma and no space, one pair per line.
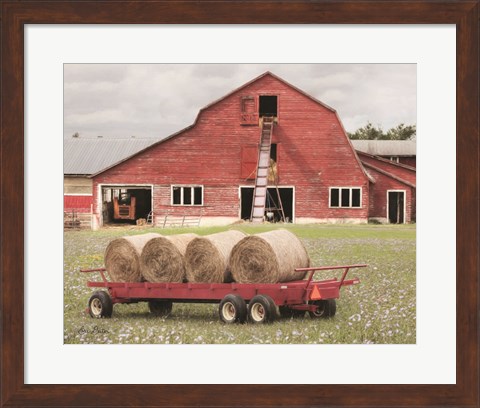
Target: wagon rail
291,298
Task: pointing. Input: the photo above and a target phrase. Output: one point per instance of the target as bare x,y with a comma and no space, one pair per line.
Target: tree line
371,132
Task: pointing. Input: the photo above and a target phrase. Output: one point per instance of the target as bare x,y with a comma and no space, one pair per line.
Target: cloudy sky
156,100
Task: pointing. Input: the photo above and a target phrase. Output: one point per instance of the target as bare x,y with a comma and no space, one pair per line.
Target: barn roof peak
271,74
266,73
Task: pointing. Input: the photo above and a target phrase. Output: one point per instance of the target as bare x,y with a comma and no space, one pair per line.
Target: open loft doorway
272,204
396,207
267,105
126,204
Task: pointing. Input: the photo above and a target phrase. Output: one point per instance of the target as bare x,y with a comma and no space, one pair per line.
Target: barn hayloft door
260,193
267,106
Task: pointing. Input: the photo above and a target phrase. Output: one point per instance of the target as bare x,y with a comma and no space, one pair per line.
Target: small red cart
256,302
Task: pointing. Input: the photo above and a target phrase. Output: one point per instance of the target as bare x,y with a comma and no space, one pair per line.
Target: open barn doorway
126,204
272,212
396,207
267,106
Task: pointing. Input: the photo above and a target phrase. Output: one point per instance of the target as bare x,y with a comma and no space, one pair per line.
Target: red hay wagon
256,302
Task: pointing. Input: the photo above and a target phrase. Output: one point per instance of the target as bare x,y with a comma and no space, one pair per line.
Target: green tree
367,132
371,132
402,132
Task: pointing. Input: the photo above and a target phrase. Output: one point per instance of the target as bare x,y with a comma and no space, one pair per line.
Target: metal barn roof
386,147
85,156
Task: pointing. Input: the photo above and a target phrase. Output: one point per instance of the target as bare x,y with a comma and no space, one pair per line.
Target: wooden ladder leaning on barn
261,180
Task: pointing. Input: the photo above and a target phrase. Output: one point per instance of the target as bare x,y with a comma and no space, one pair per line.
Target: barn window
335,197
345,197
187,195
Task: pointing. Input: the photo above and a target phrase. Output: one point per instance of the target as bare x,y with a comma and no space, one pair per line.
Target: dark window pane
345,197
355,197
187,195
197,195
334,197
176,195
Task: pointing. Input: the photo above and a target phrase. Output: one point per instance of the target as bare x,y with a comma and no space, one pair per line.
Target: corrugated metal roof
386,147
91,155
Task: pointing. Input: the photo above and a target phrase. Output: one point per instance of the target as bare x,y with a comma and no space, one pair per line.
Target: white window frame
182,187
340,197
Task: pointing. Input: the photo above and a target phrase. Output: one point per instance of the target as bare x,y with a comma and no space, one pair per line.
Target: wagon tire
160,308
232,309
325,309
100,305
273,306
261,309
289,313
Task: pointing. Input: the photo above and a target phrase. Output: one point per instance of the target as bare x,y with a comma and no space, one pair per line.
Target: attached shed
393,193
398,151
208,169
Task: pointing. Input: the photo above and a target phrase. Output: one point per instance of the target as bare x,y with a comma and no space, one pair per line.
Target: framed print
42,368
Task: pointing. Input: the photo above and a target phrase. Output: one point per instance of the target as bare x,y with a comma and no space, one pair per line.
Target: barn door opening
125,204
396,207
267,105
286,196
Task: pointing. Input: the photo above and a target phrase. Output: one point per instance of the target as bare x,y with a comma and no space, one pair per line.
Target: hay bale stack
269,257
207,257
122,257
162,258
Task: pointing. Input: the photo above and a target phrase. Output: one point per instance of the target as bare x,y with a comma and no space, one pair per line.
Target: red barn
393,195
212,168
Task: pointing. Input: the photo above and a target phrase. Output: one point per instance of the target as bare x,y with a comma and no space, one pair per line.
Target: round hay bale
122,257
269,257
207,257
162,258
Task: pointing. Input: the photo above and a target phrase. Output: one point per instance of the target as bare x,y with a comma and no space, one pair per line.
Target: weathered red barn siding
312,149
80,203
408,161
413,205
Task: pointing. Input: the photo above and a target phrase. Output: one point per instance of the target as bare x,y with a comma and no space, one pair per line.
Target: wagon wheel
233,309
100,305
288,313
261,309
325,308
160,308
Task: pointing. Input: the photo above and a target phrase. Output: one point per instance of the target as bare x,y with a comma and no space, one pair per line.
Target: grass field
381,309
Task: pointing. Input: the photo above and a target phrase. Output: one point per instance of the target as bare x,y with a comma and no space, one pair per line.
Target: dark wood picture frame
15,14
